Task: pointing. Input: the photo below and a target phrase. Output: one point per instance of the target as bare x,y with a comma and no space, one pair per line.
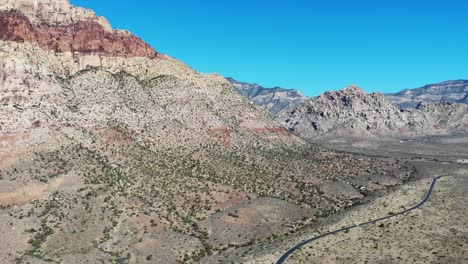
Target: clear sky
310,45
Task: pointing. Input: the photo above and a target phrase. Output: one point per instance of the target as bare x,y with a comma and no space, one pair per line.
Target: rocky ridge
276,100
353,112
53,12
432,110
80,37
449,91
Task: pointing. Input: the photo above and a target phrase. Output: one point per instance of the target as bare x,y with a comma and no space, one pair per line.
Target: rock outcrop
431,110
53,12
86,36
353,112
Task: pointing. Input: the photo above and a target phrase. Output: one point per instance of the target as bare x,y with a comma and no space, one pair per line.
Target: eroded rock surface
353,112
81,37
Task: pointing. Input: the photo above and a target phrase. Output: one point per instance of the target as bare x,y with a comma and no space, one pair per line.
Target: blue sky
310,45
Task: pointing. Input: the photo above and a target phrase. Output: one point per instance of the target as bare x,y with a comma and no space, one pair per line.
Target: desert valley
111,152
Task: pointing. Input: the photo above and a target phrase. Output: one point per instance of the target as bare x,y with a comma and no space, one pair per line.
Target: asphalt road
286,255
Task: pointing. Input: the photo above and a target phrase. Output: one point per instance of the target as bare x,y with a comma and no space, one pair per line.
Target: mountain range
113,152
276,100
437,109
352,112
449,91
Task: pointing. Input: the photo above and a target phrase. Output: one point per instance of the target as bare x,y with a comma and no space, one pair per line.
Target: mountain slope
449,91
352,112
276,100
112,152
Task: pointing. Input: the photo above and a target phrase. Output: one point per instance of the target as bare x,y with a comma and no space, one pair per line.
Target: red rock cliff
84,37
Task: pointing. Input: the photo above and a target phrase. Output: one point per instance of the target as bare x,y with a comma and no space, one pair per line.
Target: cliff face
53,12
81,37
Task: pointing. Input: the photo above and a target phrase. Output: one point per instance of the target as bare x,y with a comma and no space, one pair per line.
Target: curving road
286,255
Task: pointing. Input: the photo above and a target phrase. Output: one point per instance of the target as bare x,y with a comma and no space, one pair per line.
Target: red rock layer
84,37
223,135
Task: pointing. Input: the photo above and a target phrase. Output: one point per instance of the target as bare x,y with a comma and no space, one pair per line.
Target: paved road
286,255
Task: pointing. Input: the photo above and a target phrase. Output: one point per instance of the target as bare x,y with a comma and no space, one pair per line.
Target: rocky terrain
111,152
432,110
449,91
61,27
279,98
276,100
353,112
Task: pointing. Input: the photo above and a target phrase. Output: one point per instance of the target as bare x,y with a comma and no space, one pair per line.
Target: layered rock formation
53,12
80,37
449,91
353,112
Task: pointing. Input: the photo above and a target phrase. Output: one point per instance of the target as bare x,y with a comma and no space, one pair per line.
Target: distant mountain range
353,112
431,110
276,100
449,91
